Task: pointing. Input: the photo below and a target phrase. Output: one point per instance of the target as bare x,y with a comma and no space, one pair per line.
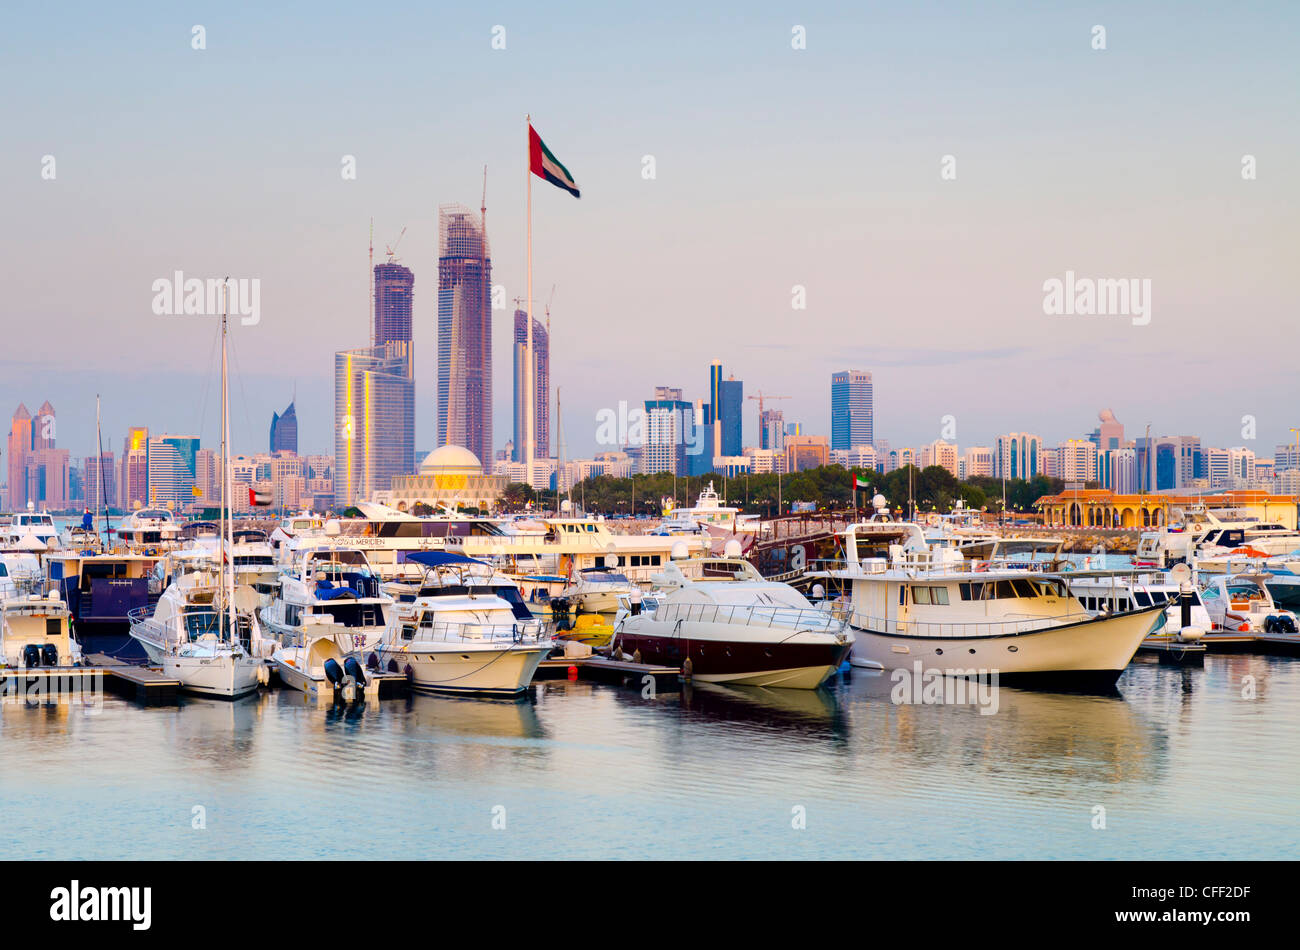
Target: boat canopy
439,558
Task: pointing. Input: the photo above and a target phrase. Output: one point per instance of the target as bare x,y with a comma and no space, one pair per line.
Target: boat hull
221,676
800,660
468,670
1077,655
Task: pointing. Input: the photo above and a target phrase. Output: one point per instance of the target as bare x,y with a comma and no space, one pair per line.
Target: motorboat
30,523
149,529
596,590
329,606
456,633
101,590
745,630
35,631
967,616
1242,603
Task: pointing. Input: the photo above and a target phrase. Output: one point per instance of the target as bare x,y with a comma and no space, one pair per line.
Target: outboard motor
333,672
50,655
1286,624
31,656
352,667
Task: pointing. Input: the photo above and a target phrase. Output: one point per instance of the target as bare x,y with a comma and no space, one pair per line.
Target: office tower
464,332
851,409
1109,434
171,461
133,486
978,462
393,292
19,446
1019,455
771,429
671,435
99,481
374,420
284,431
942,454
806,451
729,425
541,389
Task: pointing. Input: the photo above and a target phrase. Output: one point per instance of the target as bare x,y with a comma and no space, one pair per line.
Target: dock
140,683
1174,652
604,670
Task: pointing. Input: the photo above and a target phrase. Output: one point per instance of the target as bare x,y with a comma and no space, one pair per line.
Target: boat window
408,631
920,595
902,595
939,595
1023,587
1143,598
1159,597
1004,589
972,591
200,622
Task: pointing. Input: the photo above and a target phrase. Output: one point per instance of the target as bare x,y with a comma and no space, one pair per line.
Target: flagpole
529,388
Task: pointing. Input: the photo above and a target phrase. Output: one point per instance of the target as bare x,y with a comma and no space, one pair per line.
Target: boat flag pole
530,394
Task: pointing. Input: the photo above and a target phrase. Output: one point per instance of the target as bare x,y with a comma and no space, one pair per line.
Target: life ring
981,566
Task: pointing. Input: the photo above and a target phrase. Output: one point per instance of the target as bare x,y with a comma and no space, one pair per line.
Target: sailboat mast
223,600
99,463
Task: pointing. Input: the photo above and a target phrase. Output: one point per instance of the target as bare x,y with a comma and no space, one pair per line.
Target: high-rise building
133,485
464,332
541,389
1019,455
393,292
1109,434
669,425
851,410
99,481
284,430
172,461
19,447
977,461
1076,460
940,453
729,422
806,451
771,428
374,420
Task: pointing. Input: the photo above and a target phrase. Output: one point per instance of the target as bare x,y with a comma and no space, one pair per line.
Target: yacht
330,604
1109,592
965,616
457,634
596,590
100,591
1242,603
743,631
149,529
30,523
34,627
202,639
1202,532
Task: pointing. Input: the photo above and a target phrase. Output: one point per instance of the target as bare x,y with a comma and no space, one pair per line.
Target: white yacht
744,631
329,605
149,529
1204,533
30,523
962,617
596,590
209,645
1109,592
456,634
1242,602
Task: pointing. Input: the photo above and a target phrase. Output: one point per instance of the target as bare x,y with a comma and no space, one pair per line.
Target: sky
774,168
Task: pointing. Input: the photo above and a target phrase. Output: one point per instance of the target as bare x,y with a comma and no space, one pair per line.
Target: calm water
1183,765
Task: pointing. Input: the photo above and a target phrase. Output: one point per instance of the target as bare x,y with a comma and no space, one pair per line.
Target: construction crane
762,396
548,313
392,248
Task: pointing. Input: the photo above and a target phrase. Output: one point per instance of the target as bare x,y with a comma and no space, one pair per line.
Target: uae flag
545,165
259,497
860,483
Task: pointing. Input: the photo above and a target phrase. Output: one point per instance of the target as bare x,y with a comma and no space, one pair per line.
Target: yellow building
448,476
1103,508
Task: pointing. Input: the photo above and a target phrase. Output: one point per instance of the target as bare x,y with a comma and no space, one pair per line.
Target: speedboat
1242,602
37,524
456,633
597,590
149,529
208,642
744,631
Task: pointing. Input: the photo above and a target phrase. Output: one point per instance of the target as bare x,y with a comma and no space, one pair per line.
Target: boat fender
352,667
372,661
263,675
636,656
687,668
333,672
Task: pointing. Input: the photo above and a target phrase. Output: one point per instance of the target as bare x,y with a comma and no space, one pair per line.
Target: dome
451,459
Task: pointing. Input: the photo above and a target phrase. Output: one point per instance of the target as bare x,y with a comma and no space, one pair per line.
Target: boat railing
529,631
754,615
922,565
964,629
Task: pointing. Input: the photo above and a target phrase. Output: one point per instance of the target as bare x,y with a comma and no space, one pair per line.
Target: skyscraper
731,393
541,387
669,424
464,332
374,420
771,426
171,460
393,290
852,421
20,446
133,486
284,430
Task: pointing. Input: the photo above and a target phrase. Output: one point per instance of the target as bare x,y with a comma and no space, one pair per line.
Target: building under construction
464,331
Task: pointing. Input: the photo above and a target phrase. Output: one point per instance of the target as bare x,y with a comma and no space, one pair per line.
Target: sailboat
202,635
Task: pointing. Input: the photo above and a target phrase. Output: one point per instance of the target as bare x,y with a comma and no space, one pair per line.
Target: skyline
1122,163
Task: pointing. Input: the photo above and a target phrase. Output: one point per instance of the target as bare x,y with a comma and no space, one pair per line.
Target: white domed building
451,475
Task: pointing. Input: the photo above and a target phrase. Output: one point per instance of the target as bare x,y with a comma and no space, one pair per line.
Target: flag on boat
860,483
545,165
260,497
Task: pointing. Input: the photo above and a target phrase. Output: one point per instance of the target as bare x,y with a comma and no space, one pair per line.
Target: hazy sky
775,167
